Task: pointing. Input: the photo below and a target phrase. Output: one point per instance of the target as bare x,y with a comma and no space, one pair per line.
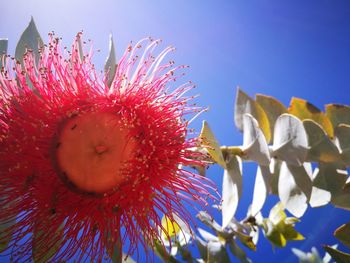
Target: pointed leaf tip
210,143
30,39
111,62
343,234
245,104
337,256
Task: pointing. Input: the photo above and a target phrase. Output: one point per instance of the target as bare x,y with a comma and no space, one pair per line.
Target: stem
117,252
234,150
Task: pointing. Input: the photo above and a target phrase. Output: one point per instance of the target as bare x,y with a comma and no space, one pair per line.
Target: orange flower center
93,149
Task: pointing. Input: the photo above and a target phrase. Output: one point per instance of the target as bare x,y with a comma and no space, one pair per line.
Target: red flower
80,160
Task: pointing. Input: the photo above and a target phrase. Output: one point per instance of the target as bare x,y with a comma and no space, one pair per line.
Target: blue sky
279,48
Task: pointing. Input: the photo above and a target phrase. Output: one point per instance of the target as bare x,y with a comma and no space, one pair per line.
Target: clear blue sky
279,48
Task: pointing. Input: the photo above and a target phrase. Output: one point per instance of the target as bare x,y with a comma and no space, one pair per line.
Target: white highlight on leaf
207,236
294,188
3,50
111,62
231,188
290,140
261,188
255,147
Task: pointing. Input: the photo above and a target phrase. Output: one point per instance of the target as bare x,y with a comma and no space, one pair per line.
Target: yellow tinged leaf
209,141
338,114
277,213
245,104
289,232
305,110
248,242
276,237
171,227
272,107
322,149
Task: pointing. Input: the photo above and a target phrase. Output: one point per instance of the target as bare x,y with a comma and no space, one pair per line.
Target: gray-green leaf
231,188
3,49
30,39
262,188
290,140
294,188
111,62
255,147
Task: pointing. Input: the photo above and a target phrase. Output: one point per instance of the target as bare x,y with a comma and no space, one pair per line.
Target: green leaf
30,39
305,110
231,188
171,227
332,178
319,197
262,188
217,253
80,47
273,234
294,188
163,253
207,236
342,140
244,104
209,141
310,257
46,241
343,234
275,167
3,50
338,114
246,240
277,214
338,256
279,228
255,147
238,252
322,149
208,220
342,201
272,107
290,140
111,62
116,247
5,234
3,46
202,248
289,232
